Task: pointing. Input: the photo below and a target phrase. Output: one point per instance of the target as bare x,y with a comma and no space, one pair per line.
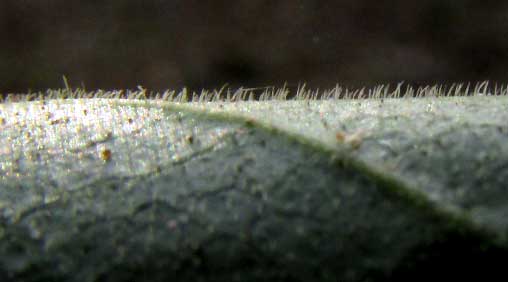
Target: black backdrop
119,44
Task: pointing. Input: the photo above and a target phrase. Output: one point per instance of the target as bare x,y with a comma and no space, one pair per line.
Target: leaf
305,190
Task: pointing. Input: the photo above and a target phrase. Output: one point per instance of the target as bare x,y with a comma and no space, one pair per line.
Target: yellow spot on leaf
105,154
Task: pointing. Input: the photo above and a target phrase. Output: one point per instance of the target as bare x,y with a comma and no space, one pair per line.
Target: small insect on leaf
340,136
354,140
48,115
105,154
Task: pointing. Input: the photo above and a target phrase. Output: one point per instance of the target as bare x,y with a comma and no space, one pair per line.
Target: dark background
119,44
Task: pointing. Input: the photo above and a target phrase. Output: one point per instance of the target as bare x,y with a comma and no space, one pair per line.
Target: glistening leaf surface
188,195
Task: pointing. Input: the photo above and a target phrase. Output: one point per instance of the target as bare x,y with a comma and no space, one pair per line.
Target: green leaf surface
318,190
